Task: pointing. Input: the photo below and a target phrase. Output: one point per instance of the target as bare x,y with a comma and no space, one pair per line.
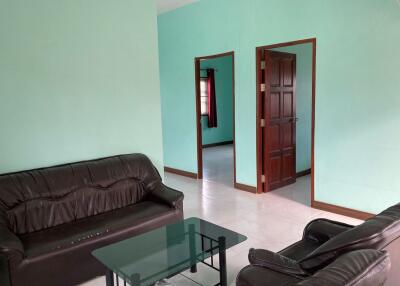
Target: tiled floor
218,164
271,221
218,168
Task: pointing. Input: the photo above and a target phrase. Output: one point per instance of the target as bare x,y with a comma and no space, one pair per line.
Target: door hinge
262,178
262,123
263,65
263,87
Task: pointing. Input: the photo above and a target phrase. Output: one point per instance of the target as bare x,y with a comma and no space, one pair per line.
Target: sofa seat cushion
253,275
300,249
96,228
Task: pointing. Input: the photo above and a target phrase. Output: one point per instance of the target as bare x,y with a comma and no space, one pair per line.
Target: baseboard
245,188
180,172
341,210
303,173
217,144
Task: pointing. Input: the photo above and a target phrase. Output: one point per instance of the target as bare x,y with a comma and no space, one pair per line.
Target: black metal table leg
109,278
222,261
192,246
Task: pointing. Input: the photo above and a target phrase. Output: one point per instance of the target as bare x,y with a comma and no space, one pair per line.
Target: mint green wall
357,106
78,80
303,103
223,87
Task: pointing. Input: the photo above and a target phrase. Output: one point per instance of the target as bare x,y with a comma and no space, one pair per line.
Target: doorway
285,115
215,118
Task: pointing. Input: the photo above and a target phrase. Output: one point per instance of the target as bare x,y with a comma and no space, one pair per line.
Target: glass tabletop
166,251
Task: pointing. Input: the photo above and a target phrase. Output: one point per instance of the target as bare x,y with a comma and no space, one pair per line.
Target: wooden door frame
198,112
313,42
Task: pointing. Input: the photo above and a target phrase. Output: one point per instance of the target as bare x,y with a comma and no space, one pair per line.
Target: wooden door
280,119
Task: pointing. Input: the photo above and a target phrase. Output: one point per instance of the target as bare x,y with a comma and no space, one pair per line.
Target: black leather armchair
327,249
362,267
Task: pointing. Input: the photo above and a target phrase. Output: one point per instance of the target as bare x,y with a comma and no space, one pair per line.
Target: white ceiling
168,5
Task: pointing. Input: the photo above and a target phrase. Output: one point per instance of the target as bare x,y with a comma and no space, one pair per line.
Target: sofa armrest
321,230
168,196
361,267
10,244
275,261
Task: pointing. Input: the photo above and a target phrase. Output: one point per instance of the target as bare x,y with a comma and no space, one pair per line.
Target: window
204,96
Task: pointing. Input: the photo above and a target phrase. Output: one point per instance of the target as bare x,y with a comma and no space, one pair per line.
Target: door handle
294,119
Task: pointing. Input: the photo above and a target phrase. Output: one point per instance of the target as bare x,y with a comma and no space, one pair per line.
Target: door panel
287,135
275,105
280,134
288,72
275,167
275,79
287,163
275,138
287,104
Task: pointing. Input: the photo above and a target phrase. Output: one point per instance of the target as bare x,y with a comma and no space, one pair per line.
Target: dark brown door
280,119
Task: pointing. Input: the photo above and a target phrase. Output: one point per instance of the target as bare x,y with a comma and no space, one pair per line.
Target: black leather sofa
51,219
327,249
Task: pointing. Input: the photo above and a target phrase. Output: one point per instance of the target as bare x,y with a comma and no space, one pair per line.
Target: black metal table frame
219,247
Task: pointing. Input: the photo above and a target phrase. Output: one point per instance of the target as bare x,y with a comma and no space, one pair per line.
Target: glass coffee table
167,251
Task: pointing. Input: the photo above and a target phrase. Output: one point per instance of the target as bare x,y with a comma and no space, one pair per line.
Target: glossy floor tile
218,164
271,221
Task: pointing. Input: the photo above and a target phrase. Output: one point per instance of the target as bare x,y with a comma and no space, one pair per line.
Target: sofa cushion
300,249
252,275
74,264
275,261
365,267
96,228
43,198
375,233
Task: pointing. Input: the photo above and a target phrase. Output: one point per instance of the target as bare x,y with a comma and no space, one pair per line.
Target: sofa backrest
38,199
375,233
